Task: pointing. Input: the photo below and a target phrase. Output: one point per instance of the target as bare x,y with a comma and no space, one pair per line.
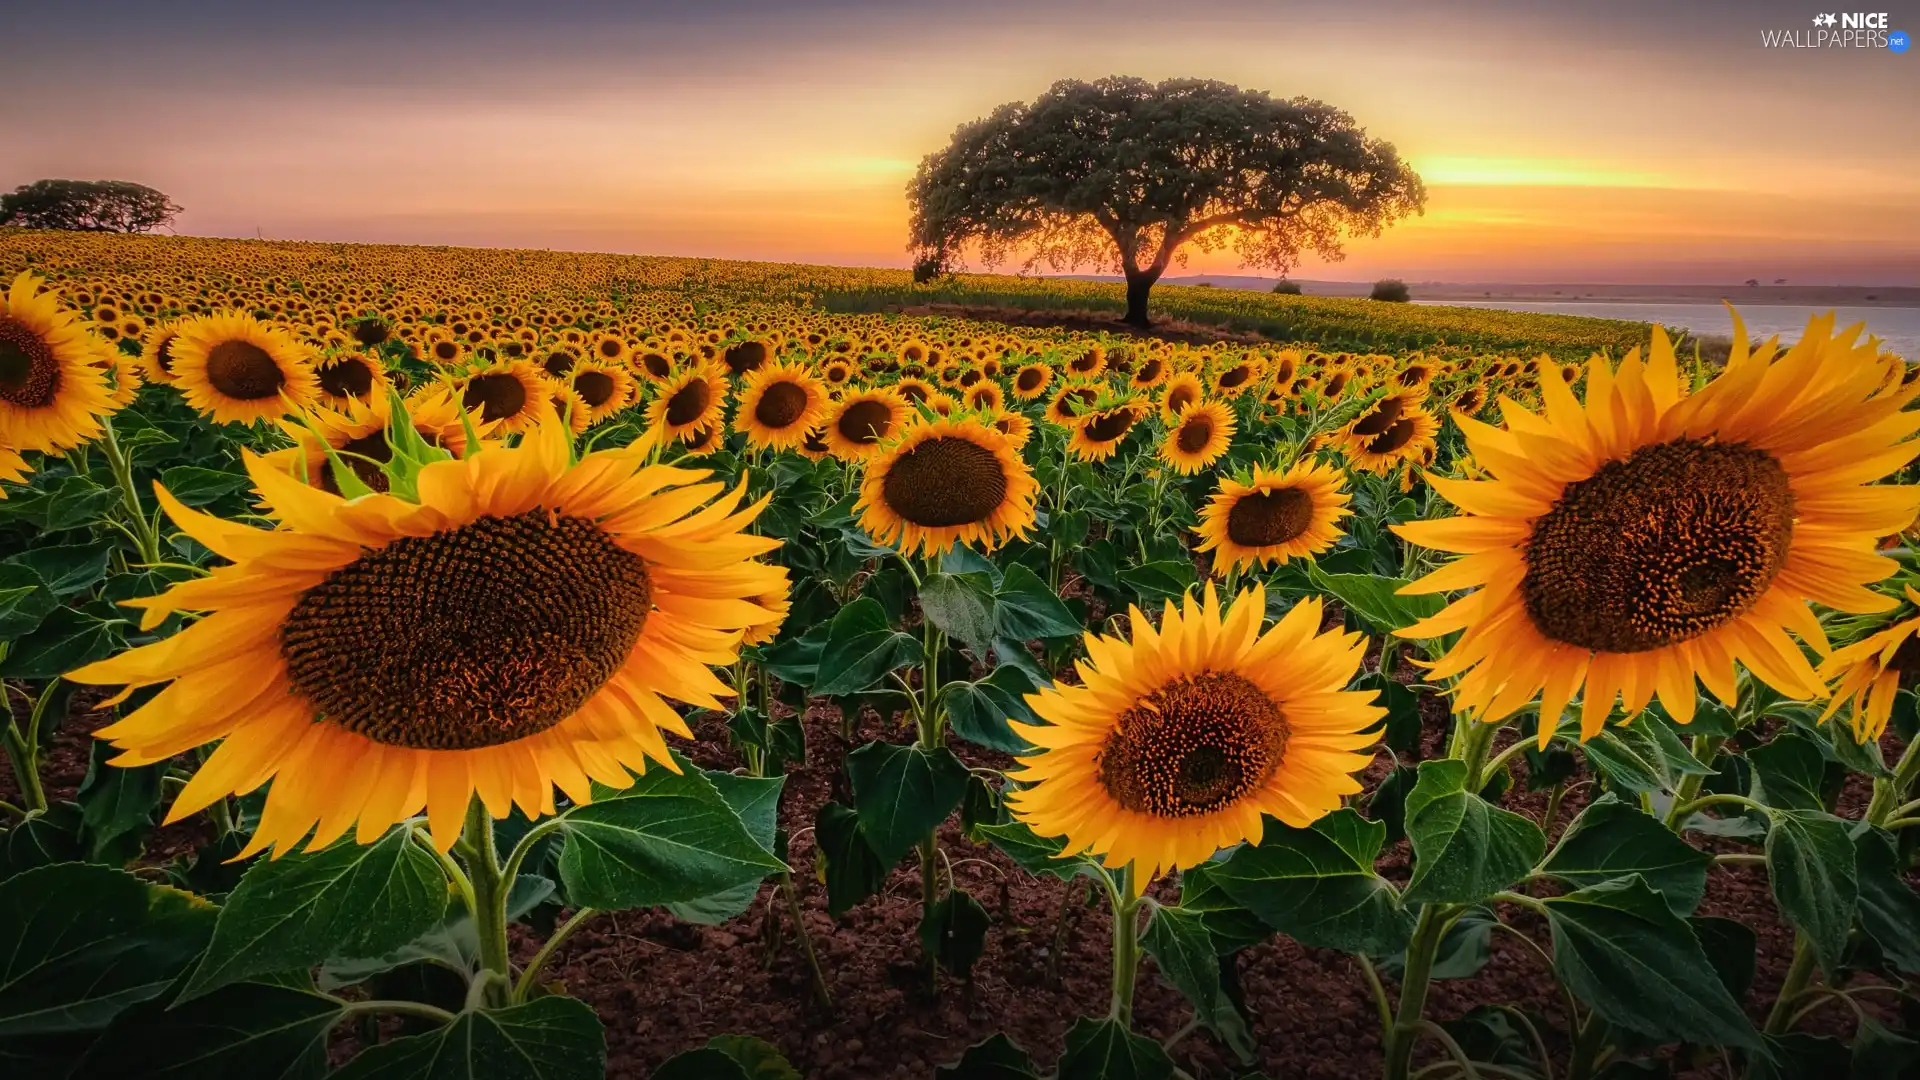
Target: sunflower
13,469
745,357
351,376
1238,377
1183,389
1089,363
1871,672
237,369
1409,437
945,482
777,604
986,397
779,404
1178,741
1070,402
863,421
515,631
693,400
53,387
914,390
836,373
604,387
1273,518
1013,425
1198,438
156,351
652,365
510,393
1098,435
1646,537
1151,373
1031,381
570,407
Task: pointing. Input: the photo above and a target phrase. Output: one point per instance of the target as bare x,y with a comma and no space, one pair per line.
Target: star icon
1829,19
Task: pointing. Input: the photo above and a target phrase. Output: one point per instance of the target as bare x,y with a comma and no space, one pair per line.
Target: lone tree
87,206
1125,173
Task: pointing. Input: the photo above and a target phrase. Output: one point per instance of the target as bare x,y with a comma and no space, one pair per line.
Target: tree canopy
87,206
1125,174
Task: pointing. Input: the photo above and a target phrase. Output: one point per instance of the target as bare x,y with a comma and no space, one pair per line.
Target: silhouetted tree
1122,173
1392,289
87,206
1286,288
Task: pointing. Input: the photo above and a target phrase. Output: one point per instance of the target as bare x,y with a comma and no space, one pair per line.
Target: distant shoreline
1815,296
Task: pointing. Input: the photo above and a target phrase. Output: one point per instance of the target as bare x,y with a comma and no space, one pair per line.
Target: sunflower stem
489,901
145,536
526,983
1587,1045
1126,945
795,912
1421,949
1888,791
1705,748
25,762
1799,972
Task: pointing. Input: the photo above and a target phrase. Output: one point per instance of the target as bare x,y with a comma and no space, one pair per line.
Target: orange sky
1643,142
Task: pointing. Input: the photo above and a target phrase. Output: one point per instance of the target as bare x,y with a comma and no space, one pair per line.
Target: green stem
1705,748
24,759
1492,768
1681,810
145,535
417,1009
1553,807
1379,992
489,908
1888,791
1799,972
1476,738
1126,946
806,939
539,961
1586,1048
1427,933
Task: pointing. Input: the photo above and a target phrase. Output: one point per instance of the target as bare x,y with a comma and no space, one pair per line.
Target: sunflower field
428,662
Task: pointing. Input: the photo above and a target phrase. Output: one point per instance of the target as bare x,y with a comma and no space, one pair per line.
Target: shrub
1390,289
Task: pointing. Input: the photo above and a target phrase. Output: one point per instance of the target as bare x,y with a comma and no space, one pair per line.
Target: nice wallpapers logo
1845,30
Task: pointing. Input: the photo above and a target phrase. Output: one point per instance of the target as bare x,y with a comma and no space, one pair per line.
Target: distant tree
1123,173
1390,289
1779,281
87,206
1287,288
1753,283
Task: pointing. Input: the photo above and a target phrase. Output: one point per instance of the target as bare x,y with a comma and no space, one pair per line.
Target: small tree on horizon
87,206
1123,174
1390,289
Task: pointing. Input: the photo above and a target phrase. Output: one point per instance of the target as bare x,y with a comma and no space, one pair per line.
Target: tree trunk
1139,283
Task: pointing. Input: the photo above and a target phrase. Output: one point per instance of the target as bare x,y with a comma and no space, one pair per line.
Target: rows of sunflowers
401,581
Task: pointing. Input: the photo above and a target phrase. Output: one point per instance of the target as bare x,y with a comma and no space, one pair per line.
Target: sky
1623,141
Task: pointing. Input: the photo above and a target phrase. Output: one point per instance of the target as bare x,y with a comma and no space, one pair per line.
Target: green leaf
243,1031
1889,908
1153,583
860,649
25,601
848,867
79,943
70,638
117,805
1465,849
69,568
76,502
1037,854
1024,609
1318,885
454,944
549,1038
1183,950
197,487
757,802
1611,839
1464,949
1620,948
42,840
670,838
996,1058
1787,773
797,659
1810,860
1388,803
705,1063
1731,947
1104,1049
757,1058
1644,757
979,711
346,901
1374,601
1230,926
1879,1052
961,605
902,793
954,932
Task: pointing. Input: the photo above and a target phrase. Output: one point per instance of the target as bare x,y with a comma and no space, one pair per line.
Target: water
1897,327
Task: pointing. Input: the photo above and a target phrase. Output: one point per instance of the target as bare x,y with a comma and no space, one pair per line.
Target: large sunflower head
1071,402
1645,536
692,401
1182,391
1198,438
945,482
1180,740
779,404
1098,434
237,369
1409,437
1274,517
605,387
351,376
1872,671
516,630
54,385
156,351
863,420
1031,381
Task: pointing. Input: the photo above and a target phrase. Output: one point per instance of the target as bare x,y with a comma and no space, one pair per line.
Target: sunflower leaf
25,601
1889,907
670,838
69,638
1183,950
1375,600
1024,609
846,863
549,1038
954,932
961,605
1811,862
1318,886
195,486
860,649
902,793
301,909
1611,839
996,1058
757,801
1104,1049
979,711
1619,947
1465,849
243,1029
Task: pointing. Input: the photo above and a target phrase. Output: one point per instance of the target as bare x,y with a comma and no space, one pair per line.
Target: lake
1898,327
